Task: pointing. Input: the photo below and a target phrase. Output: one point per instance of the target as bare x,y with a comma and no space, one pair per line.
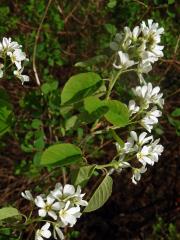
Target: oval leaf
83,174
95,109
118,113
8,212
176,112
80,86
92,103
101,195
63,154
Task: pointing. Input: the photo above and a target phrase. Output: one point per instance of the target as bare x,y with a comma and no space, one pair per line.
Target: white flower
141,140
17,57
157,149
150,119
135,33
144,67
144,156
140,43
68,193
151,31
133,144
124,61
77,199
128,33
69,215
48,207
43,232
27,195
8,46
157,51
127,38
133,108
148,95
152,36
23,78
147,124
1,71
137,174
127,148
124,164
152,54
149,154
57,233
146,150
61,193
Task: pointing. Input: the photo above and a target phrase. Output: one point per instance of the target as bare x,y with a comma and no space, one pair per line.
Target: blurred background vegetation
73,31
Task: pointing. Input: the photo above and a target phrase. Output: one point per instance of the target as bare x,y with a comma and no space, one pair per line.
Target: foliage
163,230
173,120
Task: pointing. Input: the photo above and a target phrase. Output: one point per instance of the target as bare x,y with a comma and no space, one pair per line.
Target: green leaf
61,154
118,113
101,195
49,87
80,86
175,123
171,1
8,212
83,174
4,94
70,122
3,127
37,158
86,117
92,103
5,116
110,28
171,14
112,4
39,143
95,109
176,112
36,123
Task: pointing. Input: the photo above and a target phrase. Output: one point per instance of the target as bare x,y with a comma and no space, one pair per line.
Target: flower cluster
148,99
145,113
139,47
11,54
144,148
62,205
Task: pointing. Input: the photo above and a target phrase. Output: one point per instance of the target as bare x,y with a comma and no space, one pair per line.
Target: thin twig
64,176
71,13
36,41
141,3
177,45
174,93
